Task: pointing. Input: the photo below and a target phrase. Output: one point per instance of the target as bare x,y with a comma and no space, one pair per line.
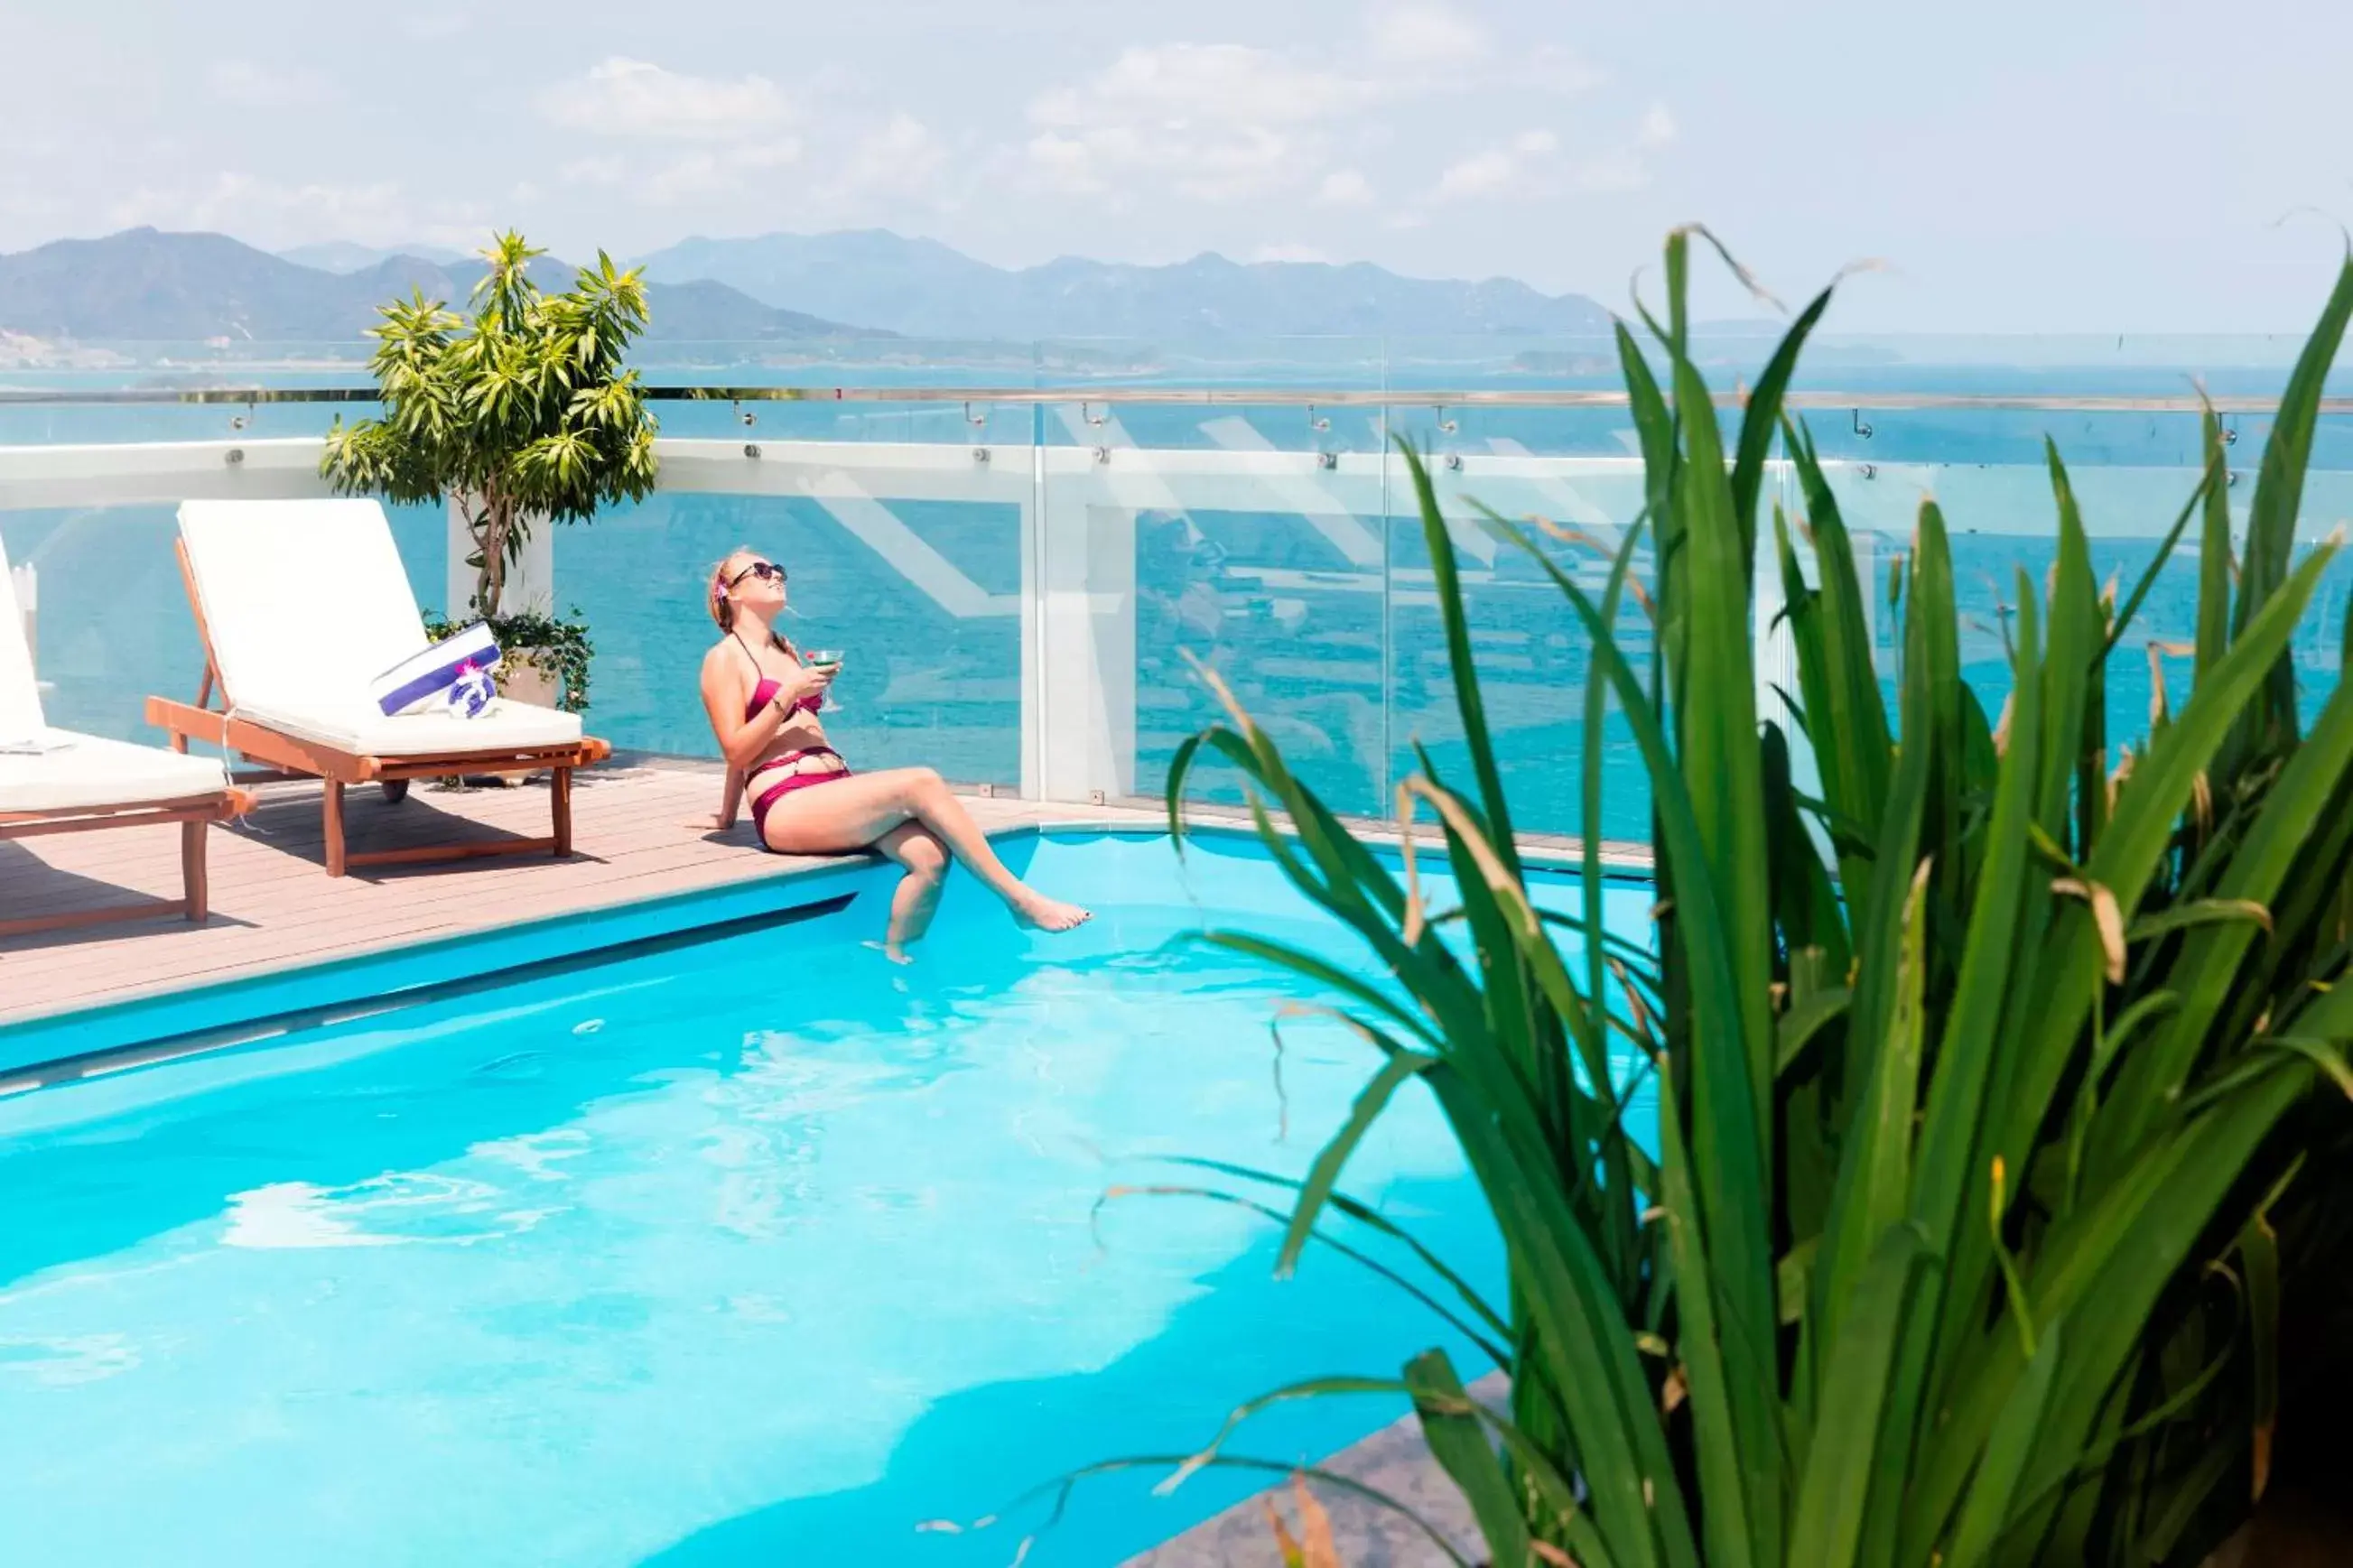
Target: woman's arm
723,696
732,800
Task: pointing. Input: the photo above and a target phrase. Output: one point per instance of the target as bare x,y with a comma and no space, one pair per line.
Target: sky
2061,166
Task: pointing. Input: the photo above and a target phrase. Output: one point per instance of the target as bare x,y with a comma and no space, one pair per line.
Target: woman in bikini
764,700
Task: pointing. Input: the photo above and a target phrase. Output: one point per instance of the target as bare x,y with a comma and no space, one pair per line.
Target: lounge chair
55,781
299,604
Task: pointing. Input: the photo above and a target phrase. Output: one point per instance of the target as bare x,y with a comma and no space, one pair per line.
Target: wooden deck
641,829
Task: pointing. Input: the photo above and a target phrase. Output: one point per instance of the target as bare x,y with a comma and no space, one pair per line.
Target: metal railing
1213,397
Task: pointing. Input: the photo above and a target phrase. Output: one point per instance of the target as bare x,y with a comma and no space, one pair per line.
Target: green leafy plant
520,411
560,649
1979,1138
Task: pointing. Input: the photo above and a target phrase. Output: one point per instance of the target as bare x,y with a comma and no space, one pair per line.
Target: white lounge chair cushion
90,772
307,603
20,699
360,729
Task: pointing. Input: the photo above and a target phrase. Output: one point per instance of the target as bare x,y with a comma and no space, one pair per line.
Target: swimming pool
757,1250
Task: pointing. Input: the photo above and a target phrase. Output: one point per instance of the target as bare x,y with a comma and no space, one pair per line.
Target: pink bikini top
766,690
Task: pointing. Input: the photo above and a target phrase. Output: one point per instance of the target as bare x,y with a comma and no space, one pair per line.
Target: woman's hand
805,681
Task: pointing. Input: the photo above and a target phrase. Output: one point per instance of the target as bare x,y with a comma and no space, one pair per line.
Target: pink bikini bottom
784,786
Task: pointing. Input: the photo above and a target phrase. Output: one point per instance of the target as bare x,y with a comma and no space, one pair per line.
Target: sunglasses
765,571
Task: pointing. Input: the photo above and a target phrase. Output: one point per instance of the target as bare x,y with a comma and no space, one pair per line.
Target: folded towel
425,679
470,692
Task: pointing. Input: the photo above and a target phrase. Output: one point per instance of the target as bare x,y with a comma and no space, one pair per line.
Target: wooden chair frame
193,813
340,769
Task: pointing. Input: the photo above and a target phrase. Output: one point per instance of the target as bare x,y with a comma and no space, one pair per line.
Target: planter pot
526,682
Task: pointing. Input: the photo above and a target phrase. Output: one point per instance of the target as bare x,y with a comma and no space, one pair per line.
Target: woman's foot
1050,914
893,951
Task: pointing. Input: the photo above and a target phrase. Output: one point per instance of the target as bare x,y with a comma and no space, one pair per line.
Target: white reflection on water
411,1206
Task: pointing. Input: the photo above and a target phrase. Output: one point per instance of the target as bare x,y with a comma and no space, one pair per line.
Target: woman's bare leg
854,812
925,859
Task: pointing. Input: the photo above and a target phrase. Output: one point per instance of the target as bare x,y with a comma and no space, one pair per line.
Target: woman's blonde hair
723,608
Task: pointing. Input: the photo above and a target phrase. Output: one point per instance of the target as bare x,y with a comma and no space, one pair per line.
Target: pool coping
1394,1460
272,1000
269,1000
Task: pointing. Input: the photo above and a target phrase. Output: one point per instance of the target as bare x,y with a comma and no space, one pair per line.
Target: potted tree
517,415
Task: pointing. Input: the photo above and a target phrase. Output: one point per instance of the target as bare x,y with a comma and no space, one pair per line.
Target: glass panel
1265,566
2002,520
1331,389
1533,653
921,589
74,424
760,421
1268,540
113,626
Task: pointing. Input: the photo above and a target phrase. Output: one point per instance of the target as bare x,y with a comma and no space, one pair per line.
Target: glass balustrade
1035,578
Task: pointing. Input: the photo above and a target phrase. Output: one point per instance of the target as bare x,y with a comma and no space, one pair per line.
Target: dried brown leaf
1317,1548
1415,919
1285,1543
2107,917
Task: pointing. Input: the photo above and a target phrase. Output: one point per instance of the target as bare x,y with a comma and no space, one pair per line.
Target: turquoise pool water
760,1251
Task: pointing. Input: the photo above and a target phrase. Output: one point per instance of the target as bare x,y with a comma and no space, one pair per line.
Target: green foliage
520,411
561,649
1981,1173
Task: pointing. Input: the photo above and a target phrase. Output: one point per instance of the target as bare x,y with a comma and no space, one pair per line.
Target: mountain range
342,256
146,285
143,285
922,288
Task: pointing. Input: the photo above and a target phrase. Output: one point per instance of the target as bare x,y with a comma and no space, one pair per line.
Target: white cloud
902,158
632,97
1491,172
1531,164
1288,252
739,121
1216,123
1231,122
250,85
1065,165
610,168
1618,168
708,172
1551,69
1427,35
1345,188
1201,84
1627,167
274,215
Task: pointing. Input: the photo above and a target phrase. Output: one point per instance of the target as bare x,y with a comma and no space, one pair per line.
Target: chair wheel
395,791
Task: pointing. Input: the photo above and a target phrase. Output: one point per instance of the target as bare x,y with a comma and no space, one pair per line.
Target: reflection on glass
921,598
115,626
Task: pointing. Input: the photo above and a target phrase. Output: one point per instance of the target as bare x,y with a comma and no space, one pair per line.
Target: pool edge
147,1019
206,1016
